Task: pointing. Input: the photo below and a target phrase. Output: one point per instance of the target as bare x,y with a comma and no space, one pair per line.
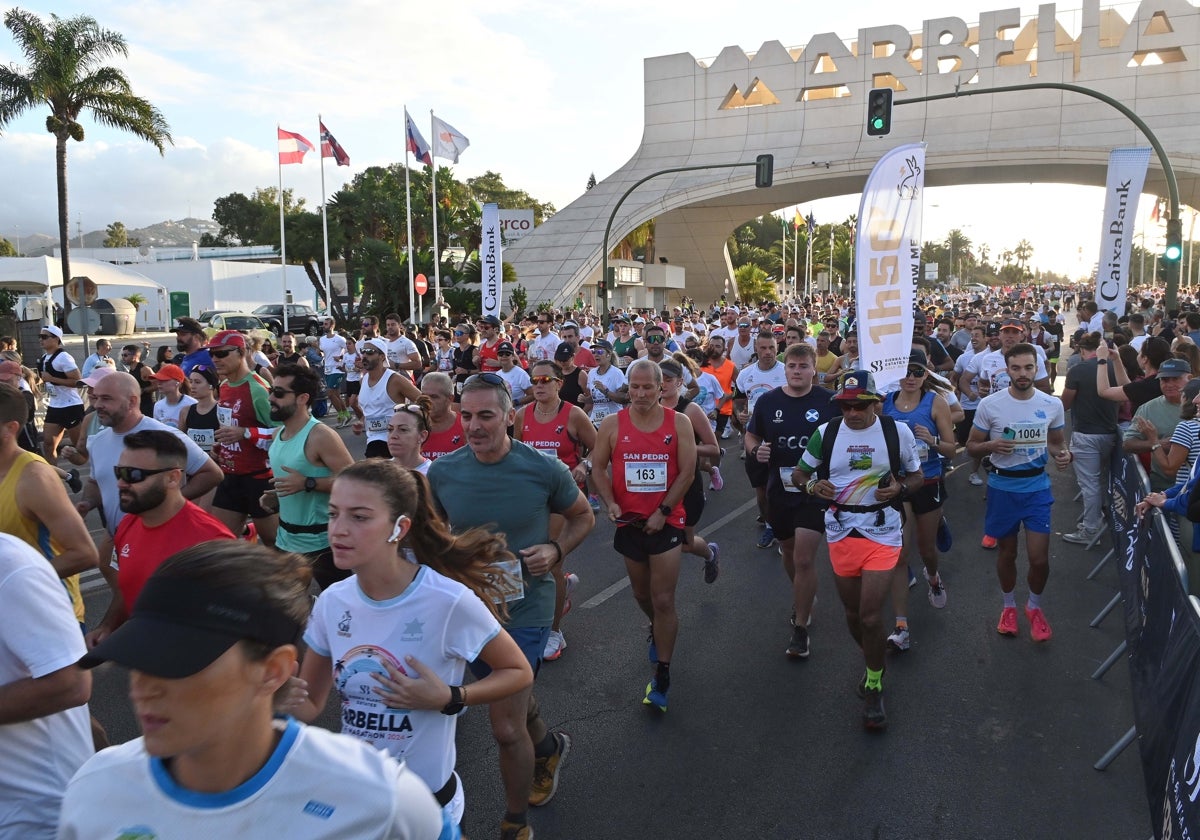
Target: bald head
119,384
116,398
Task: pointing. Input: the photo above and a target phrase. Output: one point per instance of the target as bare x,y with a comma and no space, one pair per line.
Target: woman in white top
174,400
407,431
212,637
395,637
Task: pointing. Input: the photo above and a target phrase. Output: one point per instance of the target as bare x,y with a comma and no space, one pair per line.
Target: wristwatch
1156,447
310,484
665,509
456,701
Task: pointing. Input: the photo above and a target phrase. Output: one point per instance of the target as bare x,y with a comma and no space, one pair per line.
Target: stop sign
421,283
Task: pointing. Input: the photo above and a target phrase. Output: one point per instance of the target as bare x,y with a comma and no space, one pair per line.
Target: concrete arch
811,116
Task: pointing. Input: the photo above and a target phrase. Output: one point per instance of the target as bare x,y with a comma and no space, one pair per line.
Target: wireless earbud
397,529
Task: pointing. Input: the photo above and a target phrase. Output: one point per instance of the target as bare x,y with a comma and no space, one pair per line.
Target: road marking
609,591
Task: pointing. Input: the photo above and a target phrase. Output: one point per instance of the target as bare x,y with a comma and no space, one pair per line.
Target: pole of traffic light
1170,267
604,290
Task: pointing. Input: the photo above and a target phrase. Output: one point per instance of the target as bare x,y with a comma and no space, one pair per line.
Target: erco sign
515,224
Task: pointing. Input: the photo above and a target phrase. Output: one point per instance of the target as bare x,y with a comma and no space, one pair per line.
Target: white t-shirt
542,347
727,333
859,460
169,414
315,785
38,636
752,382
710,391
333,348
349,359
1028,422
960,367
60,396
990,365
400,351
439,622
612,379
105,448
518,381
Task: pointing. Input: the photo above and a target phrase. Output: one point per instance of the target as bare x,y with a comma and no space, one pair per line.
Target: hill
177,233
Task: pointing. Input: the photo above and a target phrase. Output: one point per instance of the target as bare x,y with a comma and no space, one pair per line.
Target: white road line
609,591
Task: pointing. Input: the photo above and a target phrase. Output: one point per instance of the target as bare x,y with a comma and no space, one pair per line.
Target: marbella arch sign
806,106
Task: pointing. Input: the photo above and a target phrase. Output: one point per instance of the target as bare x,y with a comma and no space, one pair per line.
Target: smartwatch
665,510
456,701
310,484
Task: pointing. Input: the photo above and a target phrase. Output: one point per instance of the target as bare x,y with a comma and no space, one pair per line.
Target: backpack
891,438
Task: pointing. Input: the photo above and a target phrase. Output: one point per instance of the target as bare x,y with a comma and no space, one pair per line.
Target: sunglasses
369,352
459,332
598,351
368,323
543,380
656,339
743,326
412,408
855,406
491,379
44,337
219,354
136,475
915,372
543,322
278,392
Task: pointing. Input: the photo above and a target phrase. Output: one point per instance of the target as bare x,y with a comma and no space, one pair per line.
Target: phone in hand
885,482
1009,433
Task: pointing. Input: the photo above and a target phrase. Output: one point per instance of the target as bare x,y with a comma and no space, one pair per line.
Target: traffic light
607,284
1174,248
764,170
879,112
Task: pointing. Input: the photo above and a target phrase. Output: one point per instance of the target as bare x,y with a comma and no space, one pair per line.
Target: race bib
1030,437
224,415
377,423
552,454
599,414
204,438
507,576
623,362
785,475
646,477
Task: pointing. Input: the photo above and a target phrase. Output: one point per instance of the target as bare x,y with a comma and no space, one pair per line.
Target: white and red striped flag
292,147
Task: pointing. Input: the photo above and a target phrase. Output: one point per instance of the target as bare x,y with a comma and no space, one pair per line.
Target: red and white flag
330,147
292,147
448,141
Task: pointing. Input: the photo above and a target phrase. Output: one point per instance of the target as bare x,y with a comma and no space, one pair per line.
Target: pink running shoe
1039,628
717,481
1008,622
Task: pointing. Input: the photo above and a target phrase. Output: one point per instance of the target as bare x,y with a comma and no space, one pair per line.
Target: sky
547,92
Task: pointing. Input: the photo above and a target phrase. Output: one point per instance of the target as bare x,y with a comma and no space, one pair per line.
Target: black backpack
892,439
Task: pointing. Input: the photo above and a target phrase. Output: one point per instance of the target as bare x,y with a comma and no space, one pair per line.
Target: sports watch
456,701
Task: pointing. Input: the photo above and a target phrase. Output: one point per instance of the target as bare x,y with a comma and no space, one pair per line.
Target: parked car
251,324
301,318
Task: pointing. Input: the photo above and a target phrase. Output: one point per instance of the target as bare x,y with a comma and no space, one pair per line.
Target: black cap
993,328
186,324
505,347
563,352
181,626
490,320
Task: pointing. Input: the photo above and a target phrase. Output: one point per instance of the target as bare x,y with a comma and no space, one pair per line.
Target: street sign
421,283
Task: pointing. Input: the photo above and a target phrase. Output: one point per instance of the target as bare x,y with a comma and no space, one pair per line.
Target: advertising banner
490,260
515,224
1126,176
887,261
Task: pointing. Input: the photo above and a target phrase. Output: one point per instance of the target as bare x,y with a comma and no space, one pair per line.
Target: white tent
38,277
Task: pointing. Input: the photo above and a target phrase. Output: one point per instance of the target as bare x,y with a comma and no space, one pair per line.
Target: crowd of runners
230,500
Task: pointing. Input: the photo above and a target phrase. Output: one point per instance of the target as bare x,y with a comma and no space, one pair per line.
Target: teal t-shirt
513,497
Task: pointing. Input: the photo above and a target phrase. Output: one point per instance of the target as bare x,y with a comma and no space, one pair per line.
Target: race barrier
1162,639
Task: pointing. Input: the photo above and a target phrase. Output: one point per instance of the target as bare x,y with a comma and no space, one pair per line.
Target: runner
1021,429
200,422
407,432
211,638
333,354
606,391
402,690
446,429
381,389
653,458
512,373
174,401
759,378
64,406
783,421
861,476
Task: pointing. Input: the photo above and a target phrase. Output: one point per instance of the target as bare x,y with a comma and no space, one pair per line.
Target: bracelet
811,485
557,548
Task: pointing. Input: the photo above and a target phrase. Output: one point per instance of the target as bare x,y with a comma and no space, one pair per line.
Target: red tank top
443,443
551,439
488,360
644,466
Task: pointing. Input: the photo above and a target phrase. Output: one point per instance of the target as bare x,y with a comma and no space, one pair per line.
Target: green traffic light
877,123
1173,252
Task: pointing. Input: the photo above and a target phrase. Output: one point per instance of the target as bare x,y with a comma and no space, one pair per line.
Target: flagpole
795,254
437,256
324,218
829,282
408,216
783,261
282,239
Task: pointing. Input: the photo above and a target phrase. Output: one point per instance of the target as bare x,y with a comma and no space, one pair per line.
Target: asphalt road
988,737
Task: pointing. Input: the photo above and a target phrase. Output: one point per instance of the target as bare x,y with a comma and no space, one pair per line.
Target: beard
141,502
282,413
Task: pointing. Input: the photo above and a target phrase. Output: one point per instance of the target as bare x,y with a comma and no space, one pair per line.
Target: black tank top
146,403
571,391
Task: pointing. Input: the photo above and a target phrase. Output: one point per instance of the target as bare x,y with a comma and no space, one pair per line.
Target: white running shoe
555,645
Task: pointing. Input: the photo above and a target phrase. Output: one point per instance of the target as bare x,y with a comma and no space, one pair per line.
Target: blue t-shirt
197,357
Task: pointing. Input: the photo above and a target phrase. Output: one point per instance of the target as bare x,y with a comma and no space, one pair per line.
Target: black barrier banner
1126,490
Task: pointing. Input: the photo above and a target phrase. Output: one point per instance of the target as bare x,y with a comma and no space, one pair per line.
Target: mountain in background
179,233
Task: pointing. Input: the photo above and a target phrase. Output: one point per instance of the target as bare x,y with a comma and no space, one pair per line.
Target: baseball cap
1012,324
857,386
227,338
918,358
98,373
993,328
51,330
505,347
563,352
167,372
1173,367
181,626
639,320
186,324
1191,389
377,343
490,320
601,344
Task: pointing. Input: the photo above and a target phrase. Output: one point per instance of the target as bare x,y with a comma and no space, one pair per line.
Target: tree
591,180
66,71
7,249
489,188
117,236
753,285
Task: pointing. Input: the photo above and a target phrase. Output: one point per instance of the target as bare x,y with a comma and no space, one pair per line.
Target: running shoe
975,480
73,481
718,483
545,771
1008,622
988,542
572,580
651,648
515,831
899,641
555,645
712,566
767,538
912,578
1081,537
874,717
1039,628
725,434
595,503
655,698
798,648
937,592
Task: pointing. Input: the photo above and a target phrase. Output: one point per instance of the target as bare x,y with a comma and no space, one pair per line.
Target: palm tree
66,71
